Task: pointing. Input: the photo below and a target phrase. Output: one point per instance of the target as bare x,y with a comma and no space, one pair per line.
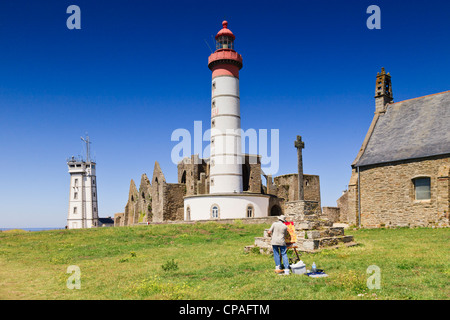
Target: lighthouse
226,198
225,147
83,205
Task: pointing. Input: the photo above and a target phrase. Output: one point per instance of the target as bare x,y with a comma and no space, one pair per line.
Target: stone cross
299,144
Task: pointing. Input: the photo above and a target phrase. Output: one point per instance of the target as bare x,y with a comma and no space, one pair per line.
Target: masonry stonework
388,197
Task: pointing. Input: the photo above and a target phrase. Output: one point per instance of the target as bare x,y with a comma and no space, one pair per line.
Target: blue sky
137,70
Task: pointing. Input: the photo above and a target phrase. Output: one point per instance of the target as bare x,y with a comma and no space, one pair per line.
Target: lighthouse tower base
226,206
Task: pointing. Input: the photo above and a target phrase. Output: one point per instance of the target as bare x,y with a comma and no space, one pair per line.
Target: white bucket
298,268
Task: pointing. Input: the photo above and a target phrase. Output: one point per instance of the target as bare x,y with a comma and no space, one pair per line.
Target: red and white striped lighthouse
226,198
225,151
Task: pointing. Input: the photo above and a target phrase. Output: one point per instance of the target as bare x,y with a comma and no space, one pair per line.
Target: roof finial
225,24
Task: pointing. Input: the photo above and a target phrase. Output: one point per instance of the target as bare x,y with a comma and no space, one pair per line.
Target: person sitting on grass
278,231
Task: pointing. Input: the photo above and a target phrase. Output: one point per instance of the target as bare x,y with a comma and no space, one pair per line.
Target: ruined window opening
183,177
250,211
422,188
188,214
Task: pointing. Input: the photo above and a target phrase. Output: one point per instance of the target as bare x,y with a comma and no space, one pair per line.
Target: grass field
207,261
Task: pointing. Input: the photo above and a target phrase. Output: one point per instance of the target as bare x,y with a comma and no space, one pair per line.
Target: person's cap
282,218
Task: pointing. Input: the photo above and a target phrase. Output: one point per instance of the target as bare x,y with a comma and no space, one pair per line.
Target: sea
31,229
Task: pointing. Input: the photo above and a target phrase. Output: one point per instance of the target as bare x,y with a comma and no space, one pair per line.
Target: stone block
262,242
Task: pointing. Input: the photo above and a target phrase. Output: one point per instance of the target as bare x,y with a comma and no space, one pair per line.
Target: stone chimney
383,91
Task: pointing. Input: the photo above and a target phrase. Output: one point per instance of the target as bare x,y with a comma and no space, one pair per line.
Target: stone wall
173,201
119,219
251,174
388,196
332,213
131,206
342,204
300,209
193,172
287,187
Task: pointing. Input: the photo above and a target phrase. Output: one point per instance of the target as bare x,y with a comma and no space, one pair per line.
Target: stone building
400,176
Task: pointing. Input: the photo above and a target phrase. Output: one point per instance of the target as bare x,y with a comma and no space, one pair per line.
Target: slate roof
106,220
410,129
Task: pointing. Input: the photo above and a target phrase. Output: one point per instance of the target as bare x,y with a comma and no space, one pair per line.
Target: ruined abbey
156,200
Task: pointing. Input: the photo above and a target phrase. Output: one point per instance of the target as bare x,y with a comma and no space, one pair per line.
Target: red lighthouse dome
225,57
225,32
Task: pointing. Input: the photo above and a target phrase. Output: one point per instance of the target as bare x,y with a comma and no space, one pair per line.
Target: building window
422,188
74,210
213,124
75,195
76,182
215,211
250,211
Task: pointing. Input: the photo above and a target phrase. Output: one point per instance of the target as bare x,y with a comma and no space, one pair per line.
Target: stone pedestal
314,233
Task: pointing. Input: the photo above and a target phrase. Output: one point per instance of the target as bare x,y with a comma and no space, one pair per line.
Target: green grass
207,261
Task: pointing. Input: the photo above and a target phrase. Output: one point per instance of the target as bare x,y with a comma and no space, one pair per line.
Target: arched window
183,177
215,211
422,188
250,211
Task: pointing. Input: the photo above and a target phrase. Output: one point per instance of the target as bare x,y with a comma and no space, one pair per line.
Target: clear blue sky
137,70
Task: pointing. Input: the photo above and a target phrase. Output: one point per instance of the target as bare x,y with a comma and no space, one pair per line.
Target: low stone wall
332,213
